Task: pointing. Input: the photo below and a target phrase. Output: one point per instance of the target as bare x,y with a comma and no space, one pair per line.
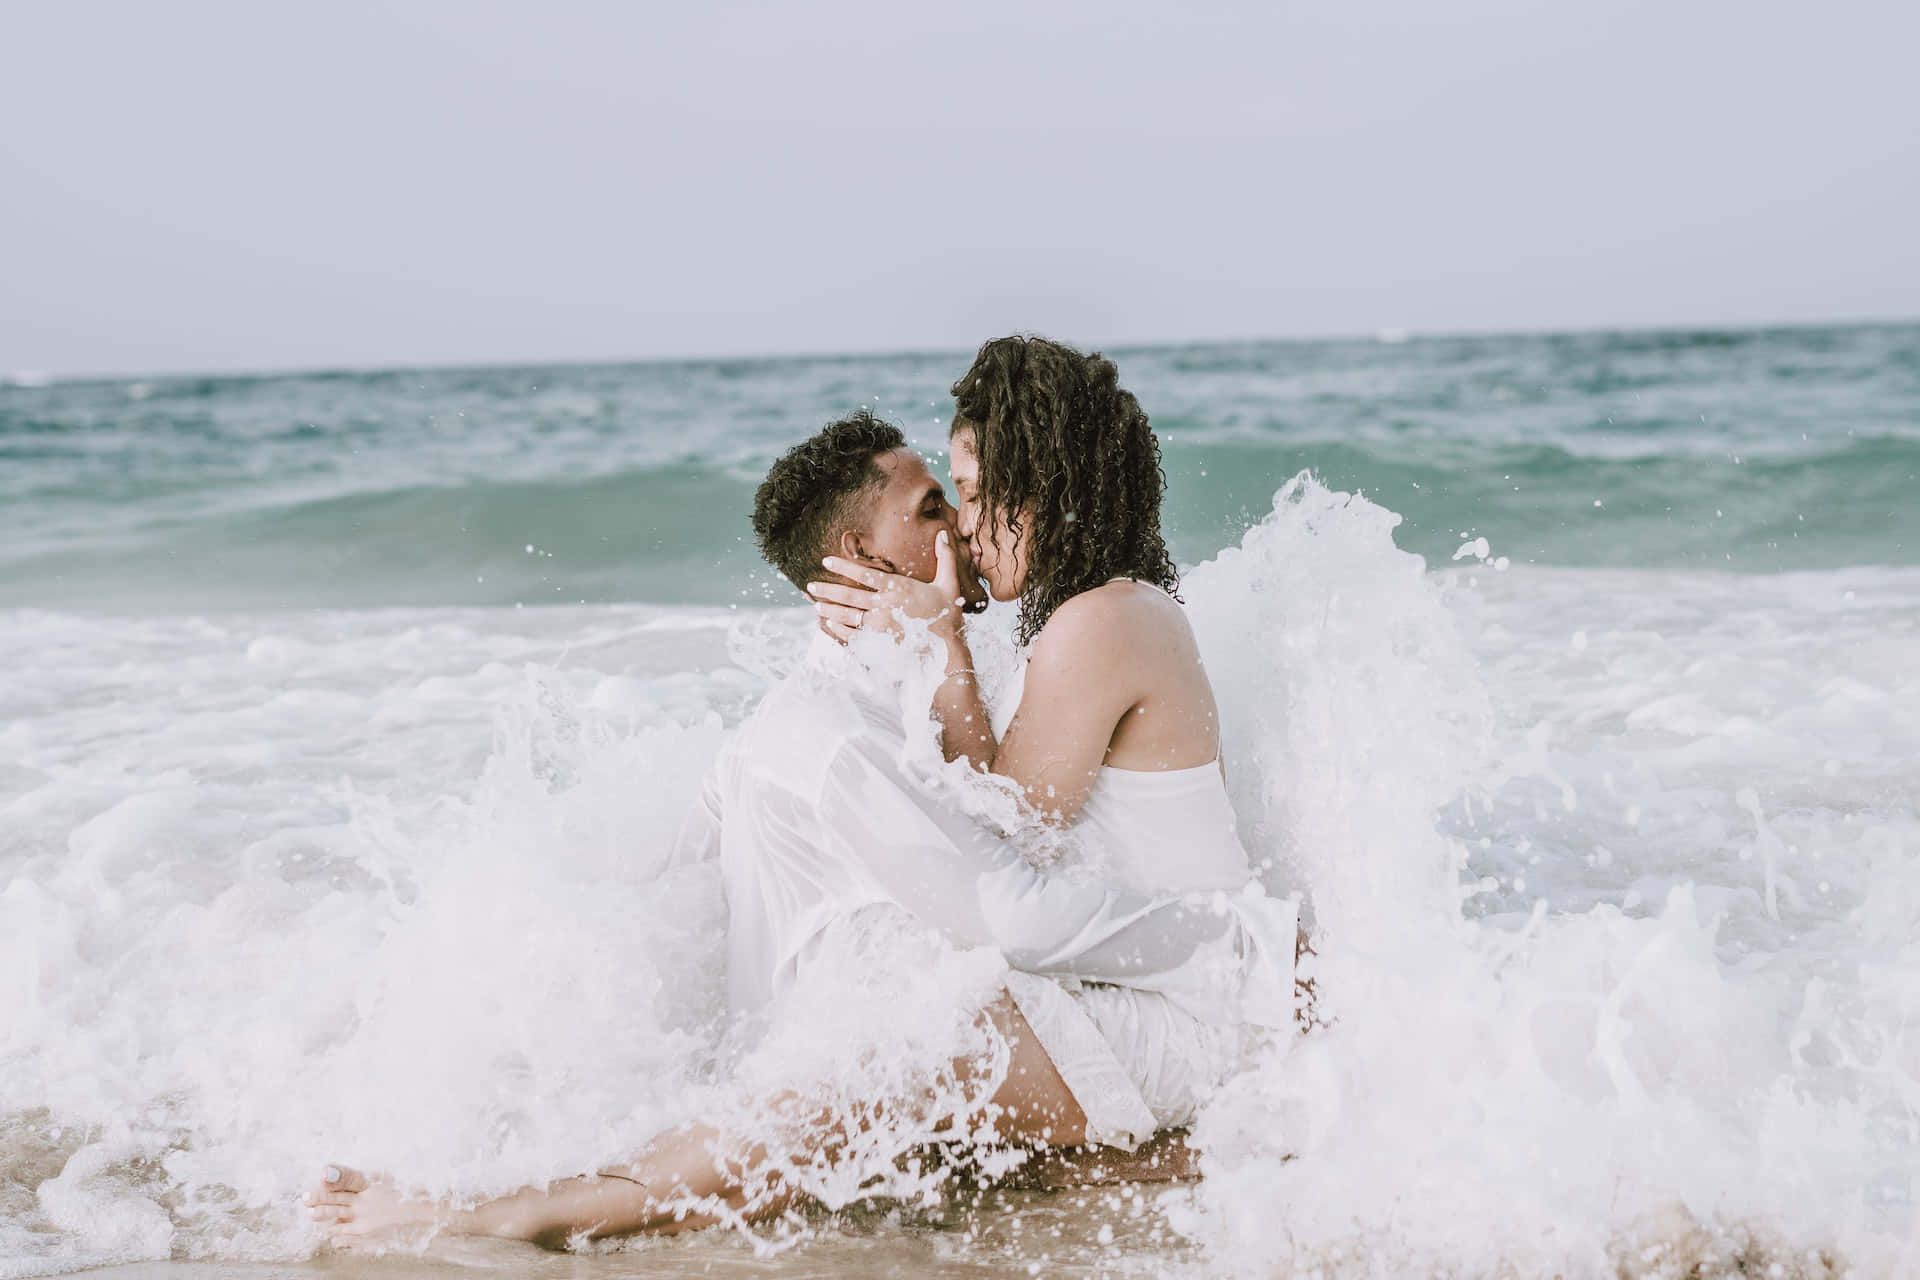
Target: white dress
1164,832
1137,1060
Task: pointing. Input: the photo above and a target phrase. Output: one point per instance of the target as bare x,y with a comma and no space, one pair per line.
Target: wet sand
1123,1230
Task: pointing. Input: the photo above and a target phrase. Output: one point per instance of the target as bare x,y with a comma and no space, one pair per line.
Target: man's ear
853,545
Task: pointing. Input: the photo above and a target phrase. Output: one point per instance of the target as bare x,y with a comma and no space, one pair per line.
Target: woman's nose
965,520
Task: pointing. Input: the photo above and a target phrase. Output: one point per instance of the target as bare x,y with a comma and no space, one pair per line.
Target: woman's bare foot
349,1205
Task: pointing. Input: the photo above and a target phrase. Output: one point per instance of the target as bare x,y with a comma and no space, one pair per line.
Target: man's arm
956,876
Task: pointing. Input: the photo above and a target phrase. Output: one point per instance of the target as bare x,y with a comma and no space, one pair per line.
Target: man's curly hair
1060,443
812,492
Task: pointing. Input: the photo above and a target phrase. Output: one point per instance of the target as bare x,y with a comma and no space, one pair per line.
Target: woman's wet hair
1064,449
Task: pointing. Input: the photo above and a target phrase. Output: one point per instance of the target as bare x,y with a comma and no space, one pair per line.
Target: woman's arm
1083,678
966,731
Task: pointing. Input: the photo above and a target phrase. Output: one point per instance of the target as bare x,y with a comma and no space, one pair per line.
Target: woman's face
998,553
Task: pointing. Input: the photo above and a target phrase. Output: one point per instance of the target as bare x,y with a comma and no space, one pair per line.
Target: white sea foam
1614,941
1662,1032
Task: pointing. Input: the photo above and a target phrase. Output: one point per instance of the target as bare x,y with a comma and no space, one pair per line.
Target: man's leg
1031,1107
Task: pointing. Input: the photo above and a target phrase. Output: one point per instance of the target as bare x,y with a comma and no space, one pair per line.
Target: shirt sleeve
698,839
958,877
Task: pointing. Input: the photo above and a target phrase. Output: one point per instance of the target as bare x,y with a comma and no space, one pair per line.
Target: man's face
903,519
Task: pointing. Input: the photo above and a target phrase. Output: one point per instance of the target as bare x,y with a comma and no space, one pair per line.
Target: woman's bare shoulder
1112,621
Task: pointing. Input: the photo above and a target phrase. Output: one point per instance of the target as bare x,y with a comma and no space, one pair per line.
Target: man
823,830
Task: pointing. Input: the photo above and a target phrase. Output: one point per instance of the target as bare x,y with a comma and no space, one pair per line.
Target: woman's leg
738,1179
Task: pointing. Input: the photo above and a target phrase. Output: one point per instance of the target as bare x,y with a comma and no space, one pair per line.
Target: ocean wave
1759,451
672,535
1546,504
680,533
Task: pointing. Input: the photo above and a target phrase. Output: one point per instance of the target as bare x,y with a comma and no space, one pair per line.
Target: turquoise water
1756,451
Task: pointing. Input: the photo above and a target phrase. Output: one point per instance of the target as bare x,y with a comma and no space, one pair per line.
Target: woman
1116,734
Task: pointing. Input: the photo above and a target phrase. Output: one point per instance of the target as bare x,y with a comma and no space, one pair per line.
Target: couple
1123,998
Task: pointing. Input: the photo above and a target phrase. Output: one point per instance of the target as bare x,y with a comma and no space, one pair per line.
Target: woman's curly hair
1062,444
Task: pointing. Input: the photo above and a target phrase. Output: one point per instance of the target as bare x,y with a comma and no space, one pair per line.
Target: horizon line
1386,335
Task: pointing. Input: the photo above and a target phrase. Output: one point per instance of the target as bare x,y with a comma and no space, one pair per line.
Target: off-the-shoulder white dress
1139,1060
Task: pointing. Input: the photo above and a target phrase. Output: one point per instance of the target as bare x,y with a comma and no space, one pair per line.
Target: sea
346,719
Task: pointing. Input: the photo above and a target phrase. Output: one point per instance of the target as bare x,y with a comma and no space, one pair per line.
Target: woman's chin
1000,586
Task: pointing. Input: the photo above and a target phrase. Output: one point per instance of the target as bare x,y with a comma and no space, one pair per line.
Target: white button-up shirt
814,813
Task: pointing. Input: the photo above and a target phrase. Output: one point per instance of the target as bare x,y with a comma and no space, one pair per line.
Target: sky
205,186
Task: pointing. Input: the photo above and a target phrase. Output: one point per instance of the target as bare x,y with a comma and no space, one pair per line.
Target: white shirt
814,814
